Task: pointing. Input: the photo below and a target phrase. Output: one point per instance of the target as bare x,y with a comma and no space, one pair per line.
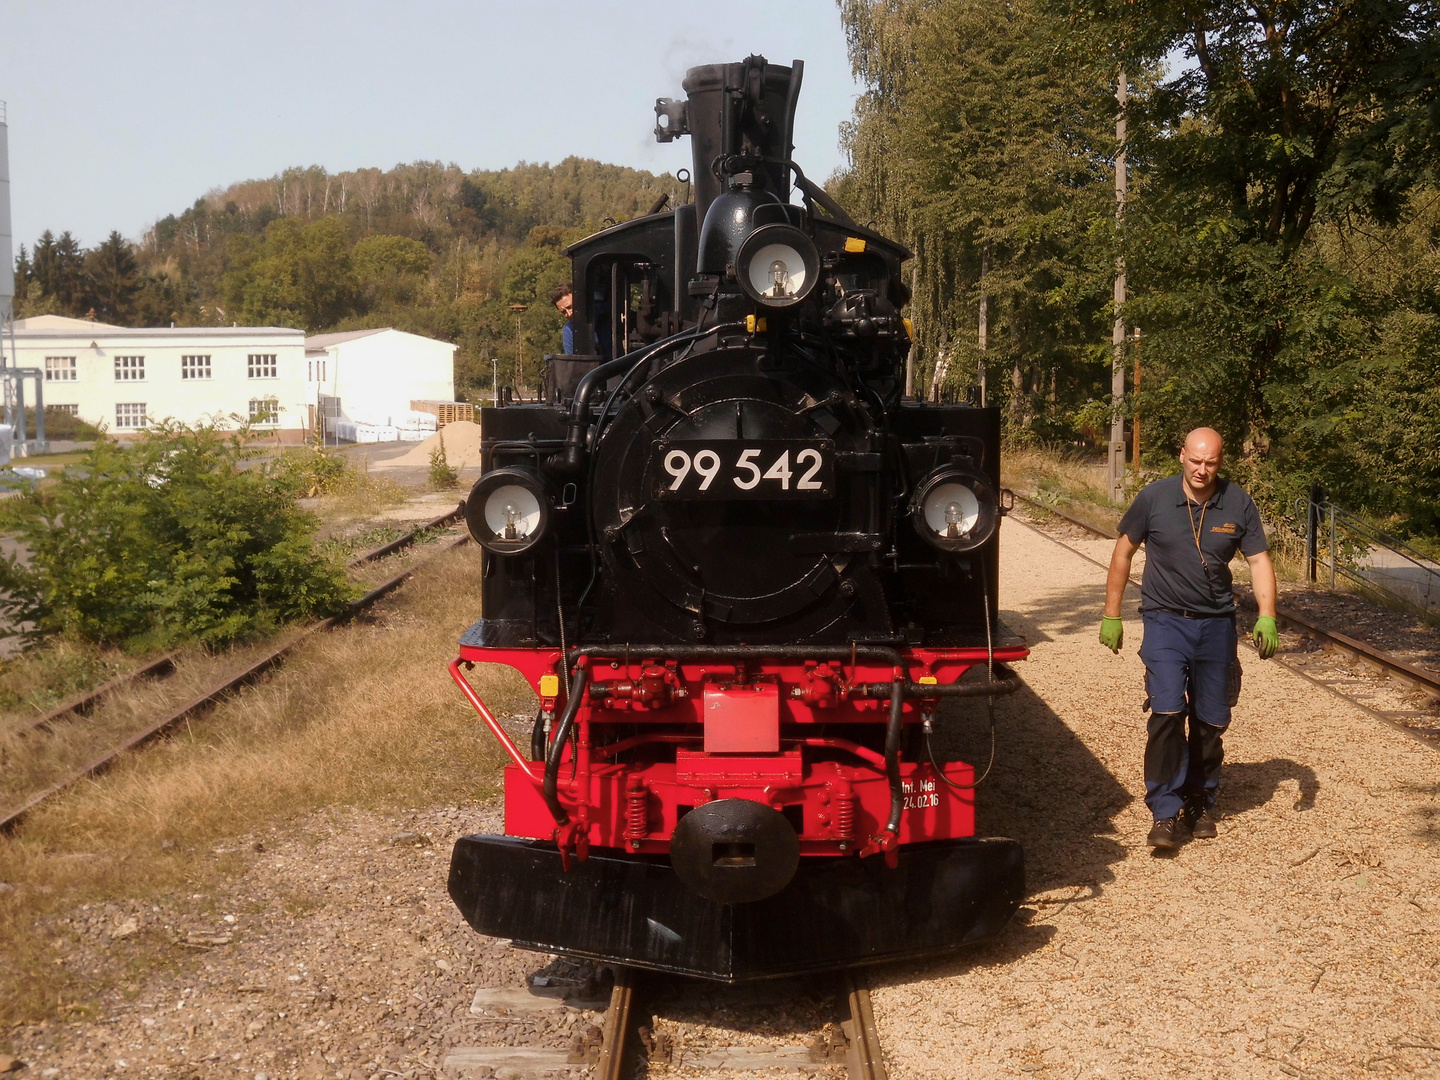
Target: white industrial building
127,379
375,374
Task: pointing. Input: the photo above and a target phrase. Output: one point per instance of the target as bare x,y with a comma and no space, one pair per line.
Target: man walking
1191,526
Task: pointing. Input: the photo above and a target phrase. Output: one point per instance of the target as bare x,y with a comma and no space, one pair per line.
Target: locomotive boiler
742,572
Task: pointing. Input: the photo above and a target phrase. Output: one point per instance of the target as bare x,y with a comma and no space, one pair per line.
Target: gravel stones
1299,942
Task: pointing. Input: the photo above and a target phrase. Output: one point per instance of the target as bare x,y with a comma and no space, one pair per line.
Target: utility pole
1116,455
518,309
1135,412
984,335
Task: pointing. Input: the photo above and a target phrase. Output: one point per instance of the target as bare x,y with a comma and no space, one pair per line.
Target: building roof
320,342
324,341
62,322
61,326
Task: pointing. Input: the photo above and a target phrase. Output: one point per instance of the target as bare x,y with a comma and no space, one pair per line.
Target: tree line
424,247
1281,234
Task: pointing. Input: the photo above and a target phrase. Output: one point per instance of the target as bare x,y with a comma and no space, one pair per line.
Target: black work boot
1201,821
1165,834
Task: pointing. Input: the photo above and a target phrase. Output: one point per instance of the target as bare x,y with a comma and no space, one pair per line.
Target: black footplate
835,913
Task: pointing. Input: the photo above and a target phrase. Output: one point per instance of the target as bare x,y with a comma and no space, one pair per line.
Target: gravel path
1302,942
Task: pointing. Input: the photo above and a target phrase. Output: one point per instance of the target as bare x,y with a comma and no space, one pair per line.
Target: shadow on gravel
1427,814
1077,610
1046,790
1246,785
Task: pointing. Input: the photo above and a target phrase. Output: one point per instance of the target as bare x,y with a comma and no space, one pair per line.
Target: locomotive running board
835,913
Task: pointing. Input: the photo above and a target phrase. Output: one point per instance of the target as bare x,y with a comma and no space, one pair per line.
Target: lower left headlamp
508,511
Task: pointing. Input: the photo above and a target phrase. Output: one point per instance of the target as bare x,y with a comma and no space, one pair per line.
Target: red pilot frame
700,729
734,780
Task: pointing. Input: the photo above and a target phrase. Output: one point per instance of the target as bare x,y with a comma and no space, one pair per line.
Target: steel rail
863,1059
12,818
161,666
1419,678
615,1037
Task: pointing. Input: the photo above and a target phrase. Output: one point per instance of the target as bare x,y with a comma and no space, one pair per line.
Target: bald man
1191,525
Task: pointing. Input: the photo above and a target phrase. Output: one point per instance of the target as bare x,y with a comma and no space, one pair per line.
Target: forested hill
424,247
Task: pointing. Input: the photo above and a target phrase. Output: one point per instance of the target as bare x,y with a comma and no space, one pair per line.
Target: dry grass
364,716
1065,480
35,681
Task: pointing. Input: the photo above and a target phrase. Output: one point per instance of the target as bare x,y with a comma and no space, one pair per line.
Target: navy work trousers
1188,664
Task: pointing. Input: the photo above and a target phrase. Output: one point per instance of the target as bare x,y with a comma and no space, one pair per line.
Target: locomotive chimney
744,110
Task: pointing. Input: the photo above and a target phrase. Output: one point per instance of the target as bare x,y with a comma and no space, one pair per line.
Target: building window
129,368
59,369
315,370
262,365
68,410
264,412
194,367
130,415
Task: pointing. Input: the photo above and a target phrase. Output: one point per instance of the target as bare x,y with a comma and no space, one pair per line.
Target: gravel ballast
1302,942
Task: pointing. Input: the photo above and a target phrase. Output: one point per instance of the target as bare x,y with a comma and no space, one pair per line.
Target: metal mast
1116,456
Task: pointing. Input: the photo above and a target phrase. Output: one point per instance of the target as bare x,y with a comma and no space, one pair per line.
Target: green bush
442,474
184,535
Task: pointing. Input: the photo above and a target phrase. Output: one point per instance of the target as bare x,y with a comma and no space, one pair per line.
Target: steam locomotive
742,571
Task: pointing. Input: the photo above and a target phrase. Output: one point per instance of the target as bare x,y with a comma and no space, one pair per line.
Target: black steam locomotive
742,571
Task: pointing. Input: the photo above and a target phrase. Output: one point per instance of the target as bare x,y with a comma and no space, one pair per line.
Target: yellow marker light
929,680
854,243
909,329
754,324
549,685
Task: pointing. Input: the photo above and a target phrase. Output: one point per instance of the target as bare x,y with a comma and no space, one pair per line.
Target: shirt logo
1228,528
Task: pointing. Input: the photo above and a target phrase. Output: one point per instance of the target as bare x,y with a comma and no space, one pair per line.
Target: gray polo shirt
1167,523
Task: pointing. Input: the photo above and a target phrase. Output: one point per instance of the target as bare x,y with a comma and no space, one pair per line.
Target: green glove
1267,637
1112,633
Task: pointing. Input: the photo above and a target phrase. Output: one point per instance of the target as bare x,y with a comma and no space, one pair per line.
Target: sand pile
462,446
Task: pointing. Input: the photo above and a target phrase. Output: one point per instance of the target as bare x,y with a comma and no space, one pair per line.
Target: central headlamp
508,511
954,510
777,266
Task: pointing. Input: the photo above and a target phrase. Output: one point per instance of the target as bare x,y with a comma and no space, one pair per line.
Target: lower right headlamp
954,510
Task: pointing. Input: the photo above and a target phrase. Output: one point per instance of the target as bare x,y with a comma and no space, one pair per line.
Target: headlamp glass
777,266
954,510
508,511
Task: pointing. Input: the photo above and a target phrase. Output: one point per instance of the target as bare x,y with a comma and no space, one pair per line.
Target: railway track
612,1048
164,666
1352,670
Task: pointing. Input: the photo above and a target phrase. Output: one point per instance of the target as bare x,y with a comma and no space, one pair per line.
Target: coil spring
845,816
637,812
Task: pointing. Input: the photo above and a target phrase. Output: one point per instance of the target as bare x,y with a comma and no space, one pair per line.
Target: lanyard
1196,530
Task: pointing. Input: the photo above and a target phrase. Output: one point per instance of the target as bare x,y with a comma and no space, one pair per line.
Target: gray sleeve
1136,522
1253,542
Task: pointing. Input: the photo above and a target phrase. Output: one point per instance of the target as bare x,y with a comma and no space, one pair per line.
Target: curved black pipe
560,736
1008,683
572,457
893,731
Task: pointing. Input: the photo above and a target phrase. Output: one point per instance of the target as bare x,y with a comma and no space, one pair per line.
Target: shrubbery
184,535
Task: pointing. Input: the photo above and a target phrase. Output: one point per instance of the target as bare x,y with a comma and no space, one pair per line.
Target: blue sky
123,112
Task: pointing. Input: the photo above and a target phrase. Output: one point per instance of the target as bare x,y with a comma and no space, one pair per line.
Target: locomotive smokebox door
734,851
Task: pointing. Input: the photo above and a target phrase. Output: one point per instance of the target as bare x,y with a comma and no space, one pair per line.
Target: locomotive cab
742,573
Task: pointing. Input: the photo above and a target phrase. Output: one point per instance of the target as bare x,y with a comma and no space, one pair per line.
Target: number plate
744,469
